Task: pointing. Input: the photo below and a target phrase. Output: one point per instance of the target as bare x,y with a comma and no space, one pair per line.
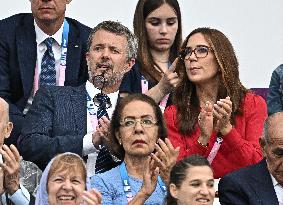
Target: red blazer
240,147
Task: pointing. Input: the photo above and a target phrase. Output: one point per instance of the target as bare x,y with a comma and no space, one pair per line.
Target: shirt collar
93,90
274,181
41,36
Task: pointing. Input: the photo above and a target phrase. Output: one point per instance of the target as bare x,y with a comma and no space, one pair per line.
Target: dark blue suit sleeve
231,193
45,133
16,115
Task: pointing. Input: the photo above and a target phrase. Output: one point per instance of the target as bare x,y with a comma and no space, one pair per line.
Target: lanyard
144,87
62,67
92,111
215,148
127,186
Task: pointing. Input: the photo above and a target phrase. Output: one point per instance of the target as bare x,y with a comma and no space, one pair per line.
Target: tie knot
48,42
101,100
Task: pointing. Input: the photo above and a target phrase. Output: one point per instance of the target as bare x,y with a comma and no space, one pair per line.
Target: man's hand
100,136
11,168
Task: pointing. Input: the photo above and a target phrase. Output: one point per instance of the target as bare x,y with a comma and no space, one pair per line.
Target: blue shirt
111,187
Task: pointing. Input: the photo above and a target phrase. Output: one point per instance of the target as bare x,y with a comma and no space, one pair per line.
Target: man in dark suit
65,119
259,184
22,50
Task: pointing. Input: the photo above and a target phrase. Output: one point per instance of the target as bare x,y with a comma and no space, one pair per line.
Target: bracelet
203,145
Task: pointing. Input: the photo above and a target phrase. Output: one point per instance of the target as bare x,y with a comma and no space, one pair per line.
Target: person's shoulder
12,22
242,174
16,17
279,68
170,110
113,173
109,178
80,26
278,71
254,99
59,90
135,70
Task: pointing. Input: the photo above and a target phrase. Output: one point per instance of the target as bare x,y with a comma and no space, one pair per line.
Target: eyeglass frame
193,51
136,120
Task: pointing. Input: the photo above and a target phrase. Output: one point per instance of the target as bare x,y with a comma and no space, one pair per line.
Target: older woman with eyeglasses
213,114
138,138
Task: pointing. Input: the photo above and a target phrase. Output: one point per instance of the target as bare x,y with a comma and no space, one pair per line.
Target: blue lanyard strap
127,186
90,105
64,44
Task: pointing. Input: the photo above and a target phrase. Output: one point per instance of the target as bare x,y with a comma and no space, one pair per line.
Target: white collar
274,181
41,36
93,90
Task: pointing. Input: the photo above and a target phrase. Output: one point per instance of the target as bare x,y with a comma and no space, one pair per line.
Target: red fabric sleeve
178,140
245,149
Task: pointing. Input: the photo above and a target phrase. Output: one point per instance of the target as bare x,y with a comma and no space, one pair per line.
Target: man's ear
8,129
87,58
131,63
173,190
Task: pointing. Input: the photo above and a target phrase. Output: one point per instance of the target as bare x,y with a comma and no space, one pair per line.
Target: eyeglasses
146,122
199,51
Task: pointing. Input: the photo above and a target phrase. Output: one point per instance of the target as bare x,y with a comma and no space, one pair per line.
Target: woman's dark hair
178,173
143,9
230,85
115,147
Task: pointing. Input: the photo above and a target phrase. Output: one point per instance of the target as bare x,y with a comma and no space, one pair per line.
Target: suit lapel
73,55
262,184
26,49
78,98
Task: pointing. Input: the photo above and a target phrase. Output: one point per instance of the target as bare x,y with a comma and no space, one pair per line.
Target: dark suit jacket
18,59
55,123
248,186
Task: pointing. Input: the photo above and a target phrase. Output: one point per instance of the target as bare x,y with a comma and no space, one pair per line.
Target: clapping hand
205,121
100,136
222,112
11,168
91,197
150,178
165,158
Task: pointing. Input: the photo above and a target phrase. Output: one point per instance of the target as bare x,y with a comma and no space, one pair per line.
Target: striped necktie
104,160
48,72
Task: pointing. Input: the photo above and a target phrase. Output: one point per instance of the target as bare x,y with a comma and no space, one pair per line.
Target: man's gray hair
118,29
267,124
4,111
265,134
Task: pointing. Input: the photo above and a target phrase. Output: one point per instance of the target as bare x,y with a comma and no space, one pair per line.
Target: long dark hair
230,84
179,173
143,9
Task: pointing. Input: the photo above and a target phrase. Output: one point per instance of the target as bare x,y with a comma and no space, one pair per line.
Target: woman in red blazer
213,114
